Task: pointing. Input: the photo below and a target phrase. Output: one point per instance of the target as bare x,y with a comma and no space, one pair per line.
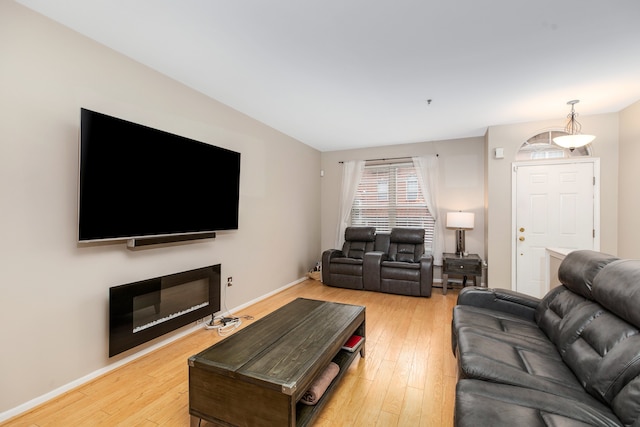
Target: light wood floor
406,379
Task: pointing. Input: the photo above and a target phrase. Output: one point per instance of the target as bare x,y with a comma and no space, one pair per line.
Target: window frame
401,181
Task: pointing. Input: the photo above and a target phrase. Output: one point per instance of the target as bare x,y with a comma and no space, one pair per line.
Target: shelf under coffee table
257,376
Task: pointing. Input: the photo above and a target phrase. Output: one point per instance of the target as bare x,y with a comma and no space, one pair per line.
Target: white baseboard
20,409
265,296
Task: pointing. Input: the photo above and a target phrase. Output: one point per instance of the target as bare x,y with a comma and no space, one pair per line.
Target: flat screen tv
138,182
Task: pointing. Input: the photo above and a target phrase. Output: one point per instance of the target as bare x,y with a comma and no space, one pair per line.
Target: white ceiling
338,74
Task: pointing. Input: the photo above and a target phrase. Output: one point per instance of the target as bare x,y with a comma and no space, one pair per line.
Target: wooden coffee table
256,376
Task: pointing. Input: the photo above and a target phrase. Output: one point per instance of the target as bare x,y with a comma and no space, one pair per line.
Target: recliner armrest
371,270
332,253
504,300
426,275
327,256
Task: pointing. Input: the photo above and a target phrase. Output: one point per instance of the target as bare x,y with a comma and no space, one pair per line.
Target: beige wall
629,179
461,186
498,186
54,292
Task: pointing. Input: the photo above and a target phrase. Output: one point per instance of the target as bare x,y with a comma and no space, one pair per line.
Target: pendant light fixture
574,139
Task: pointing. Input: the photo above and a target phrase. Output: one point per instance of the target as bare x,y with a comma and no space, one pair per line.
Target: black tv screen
137,182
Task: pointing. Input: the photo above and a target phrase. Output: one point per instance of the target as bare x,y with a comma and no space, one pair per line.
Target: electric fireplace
142,311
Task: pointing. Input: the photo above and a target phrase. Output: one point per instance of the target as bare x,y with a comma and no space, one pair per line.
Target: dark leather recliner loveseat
571,358
392,262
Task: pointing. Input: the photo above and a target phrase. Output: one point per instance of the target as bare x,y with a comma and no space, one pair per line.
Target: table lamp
461,221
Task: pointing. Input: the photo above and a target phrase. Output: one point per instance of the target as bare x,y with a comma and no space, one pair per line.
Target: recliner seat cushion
346,261
405,253
406,244
401,272
506,326
349,266
483,403
506,361
401,264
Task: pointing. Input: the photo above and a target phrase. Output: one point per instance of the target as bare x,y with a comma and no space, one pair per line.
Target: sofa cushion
482,403
401,265
487,320
406,244
561,315
606,355
356,249
626,402
618,289
406,253
362,234
358,241
347,266
579,268
507,362
347,261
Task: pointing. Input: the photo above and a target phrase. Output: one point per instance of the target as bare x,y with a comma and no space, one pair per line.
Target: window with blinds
389,196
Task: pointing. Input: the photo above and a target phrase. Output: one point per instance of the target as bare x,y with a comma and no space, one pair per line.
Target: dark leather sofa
571,358
392,262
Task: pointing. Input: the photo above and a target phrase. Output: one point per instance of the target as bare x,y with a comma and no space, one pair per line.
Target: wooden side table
469,265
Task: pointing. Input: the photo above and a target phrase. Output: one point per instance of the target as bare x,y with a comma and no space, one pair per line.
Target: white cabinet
554,257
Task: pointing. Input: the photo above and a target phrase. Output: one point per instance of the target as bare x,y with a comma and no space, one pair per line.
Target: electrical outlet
229,281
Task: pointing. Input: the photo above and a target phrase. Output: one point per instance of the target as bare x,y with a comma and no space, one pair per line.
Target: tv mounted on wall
137,182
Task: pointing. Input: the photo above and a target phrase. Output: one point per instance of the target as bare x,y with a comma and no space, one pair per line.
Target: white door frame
596,203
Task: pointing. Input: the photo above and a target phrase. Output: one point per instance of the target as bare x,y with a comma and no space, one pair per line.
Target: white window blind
389,196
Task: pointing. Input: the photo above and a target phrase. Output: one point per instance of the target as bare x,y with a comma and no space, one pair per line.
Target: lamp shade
573,141
460,220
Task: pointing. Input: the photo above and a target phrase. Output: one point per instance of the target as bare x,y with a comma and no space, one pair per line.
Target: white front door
555,207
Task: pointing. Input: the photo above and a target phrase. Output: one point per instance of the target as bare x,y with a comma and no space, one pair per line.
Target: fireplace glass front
142,311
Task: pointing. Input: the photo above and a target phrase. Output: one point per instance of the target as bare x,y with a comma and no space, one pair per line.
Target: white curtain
351,173
427,172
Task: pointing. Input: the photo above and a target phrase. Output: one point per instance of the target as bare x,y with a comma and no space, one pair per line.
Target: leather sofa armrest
332,253
426,275
503,300
327,256
372,265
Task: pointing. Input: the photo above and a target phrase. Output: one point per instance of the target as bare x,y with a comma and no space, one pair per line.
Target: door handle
522,229
521,238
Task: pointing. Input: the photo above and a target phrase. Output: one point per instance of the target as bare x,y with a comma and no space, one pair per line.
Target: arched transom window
542,147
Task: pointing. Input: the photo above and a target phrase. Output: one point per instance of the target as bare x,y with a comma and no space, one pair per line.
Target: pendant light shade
574,139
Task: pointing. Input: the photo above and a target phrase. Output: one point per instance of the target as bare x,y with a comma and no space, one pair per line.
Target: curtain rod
389,158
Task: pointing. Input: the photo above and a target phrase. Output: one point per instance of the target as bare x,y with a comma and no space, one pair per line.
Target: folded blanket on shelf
320,384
